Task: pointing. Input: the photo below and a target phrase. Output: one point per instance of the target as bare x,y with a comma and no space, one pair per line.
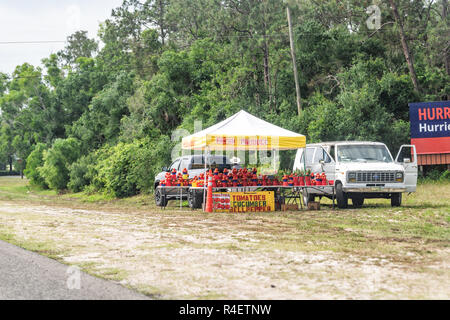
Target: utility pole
294,63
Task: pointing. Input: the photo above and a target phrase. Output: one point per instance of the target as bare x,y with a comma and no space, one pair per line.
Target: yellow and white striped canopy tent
243,131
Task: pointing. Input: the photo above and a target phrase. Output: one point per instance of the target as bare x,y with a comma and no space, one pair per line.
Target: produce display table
243,132
173,191
286,194
321,190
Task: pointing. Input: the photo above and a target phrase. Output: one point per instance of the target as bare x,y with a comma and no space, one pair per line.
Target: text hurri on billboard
430,126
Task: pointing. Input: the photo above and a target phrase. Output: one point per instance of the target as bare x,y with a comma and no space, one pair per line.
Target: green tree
34,161
78,45
57,161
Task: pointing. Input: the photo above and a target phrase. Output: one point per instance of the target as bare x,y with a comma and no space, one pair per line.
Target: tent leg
273,160
205,183
304,159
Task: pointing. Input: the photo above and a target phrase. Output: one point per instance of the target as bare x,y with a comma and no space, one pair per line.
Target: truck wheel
396,199
195,199
341,197
358,201
159,200
307,198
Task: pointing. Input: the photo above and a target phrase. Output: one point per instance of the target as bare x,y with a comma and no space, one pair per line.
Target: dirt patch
185,255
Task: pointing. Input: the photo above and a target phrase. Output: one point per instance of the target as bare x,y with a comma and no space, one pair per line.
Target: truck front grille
375,176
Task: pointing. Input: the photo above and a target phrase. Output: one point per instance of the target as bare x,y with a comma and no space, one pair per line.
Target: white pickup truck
360,170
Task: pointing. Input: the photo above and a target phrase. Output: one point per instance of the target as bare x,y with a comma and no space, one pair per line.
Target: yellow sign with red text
258,201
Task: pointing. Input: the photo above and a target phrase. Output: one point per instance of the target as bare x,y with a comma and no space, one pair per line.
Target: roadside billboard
430,126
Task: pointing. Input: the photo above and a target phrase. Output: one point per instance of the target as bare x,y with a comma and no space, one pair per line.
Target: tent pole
205,183
304,159
273,161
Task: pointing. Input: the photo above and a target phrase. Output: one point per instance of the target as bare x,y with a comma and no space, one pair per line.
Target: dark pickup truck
195,164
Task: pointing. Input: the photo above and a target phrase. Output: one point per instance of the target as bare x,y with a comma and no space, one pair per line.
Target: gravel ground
185,255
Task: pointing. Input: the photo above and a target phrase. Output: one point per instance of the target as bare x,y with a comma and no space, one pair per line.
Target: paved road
26,275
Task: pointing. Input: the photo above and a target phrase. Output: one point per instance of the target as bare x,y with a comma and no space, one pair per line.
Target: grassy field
376,252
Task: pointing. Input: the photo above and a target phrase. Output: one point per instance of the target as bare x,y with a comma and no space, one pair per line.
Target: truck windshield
363,153
214,161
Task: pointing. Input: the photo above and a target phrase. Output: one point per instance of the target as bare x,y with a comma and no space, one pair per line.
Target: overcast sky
45,20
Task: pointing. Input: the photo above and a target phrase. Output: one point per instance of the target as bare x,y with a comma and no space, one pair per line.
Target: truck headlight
351,177
399,176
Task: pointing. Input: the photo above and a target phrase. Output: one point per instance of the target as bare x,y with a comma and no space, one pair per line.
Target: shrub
445,176
150,159
57,161
113,171
34,161
130,168
437,173
434,174
82,172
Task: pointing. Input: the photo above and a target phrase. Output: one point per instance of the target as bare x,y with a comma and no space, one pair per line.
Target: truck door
407,157
299,163
324,163
175,165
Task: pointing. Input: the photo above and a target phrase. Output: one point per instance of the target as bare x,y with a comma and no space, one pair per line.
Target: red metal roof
431,159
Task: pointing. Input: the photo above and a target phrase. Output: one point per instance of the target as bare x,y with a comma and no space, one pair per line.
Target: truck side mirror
165,169
406,160
321,162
